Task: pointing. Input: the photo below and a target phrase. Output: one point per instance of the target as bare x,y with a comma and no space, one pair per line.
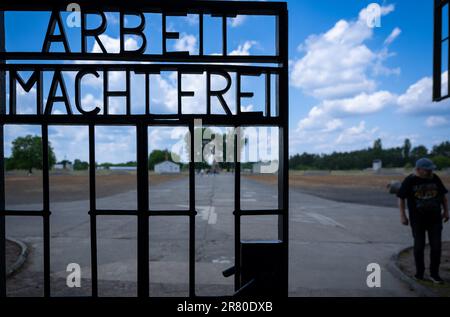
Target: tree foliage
79,165
361,159
27,154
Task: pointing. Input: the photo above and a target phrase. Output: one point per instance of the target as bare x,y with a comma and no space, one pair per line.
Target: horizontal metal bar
156,6
268,212
168,57
194,68
110,212
172,213
442,98
36,213
156,120
441,4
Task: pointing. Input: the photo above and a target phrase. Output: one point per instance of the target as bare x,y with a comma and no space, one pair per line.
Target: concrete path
331,243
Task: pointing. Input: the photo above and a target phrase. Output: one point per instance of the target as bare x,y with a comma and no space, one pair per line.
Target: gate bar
2,167
283,146
143,207
237,210
192,211
46,209
92,207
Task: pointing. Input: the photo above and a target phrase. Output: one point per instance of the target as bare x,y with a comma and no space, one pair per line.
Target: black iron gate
183,63
441,45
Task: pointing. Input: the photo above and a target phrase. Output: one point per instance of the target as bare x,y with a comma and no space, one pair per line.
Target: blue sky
349,83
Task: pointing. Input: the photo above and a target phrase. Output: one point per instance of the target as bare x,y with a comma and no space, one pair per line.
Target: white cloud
357,134
379,68
187,42
340,70
320,116
192,19
115,144
418,98
333,125
244,49
436,121
25,101
342,138
113,18
237,21
112,45
166,93
394,34
336,63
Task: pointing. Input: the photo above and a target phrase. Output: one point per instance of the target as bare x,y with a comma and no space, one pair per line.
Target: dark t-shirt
424,195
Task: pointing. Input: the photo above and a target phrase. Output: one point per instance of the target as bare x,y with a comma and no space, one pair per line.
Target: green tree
377,147
441,161
441,149
406,150
27,153
65,163
79,165
418,152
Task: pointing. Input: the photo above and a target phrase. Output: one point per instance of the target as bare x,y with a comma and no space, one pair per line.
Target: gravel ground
12,253
406,264
364,195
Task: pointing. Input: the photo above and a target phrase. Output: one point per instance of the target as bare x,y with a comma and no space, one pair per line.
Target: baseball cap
425,164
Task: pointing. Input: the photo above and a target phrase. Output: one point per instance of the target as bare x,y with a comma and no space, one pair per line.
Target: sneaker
436,279
419,278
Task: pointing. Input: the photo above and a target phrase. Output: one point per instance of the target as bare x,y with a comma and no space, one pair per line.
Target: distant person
428,207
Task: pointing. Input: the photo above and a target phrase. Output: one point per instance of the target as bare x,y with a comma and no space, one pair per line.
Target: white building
377,165
61,166
167,167
266,167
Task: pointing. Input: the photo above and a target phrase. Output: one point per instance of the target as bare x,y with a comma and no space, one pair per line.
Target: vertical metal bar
2,164
143,219
40,93
237,209
283,172
208,93
238,93
147,93
93,207
128,94
437,51
46,205
224,36
448,48
200,31
192,211
105,94
164,33
12,93
179,99
268,94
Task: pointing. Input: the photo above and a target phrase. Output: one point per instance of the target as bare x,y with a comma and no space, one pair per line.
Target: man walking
428,207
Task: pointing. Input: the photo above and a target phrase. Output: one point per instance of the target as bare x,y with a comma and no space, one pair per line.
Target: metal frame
438,42
192,64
